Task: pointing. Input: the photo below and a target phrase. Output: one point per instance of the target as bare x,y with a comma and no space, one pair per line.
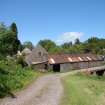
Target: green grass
81,89
13,78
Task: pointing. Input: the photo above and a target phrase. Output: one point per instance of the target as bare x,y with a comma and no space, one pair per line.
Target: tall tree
13,28
17,44
9,43
77,41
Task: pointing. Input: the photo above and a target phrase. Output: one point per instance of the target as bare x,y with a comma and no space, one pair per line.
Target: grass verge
81,89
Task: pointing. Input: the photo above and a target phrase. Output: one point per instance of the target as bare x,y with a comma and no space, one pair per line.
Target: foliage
67,45
92,45
47,44
28,44
95,45
81,89
77,41
9,43
13,77
56,50
13,28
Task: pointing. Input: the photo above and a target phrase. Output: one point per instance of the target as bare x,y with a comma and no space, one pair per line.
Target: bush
13,77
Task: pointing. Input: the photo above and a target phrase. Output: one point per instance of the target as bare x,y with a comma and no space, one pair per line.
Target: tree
67,45
9,43
95,45
56,50
13,28
2,28
28,44
93,40
47,44
17,44
77,41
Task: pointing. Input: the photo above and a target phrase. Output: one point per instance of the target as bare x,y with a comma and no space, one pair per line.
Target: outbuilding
67,62
38,58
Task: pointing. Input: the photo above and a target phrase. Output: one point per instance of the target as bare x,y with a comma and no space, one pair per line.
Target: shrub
13,77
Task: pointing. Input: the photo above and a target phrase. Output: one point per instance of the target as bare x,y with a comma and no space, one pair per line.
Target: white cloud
69,36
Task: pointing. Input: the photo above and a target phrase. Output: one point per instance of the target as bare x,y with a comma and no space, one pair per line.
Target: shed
66,62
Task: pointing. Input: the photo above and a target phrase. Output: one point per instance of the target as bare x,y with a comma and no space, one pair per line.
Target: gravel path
47,90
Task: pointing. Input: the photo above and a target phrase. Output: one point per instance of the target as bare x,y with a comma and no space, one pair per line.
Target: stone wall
40,66
66,67
73,66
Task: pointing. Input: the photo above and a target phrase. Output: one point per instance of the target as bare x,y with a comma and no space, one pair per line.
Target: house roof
34,57
66,58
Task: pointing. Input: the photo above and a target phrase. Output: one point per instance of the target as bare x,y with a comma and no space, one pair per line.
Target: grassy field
81,89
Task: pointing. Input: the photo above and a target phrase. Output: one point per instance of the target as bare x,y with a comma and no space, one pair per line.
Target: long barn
67,62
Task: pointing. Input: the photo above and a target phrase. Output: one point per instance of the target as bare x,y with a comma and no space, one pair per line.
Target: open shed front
56,67
68,62
61,67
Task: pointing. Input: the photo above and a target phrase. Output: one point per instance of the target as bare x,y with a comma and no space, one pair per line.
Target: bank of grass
13,78
81,89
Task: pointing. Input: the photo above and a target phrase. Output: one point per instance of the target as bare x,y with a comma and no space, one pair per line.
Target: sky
58,20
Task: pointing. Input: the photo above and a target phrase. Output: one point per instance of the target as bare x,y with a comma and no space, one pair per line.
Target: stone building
38,58
26,51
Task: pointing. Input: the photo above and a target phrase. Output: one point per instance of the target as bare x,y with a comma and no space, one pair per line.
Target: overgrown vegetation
83,89
13,77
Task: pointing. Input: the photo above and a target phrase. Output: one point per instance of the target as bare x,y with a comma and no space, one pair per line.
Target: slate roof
66,58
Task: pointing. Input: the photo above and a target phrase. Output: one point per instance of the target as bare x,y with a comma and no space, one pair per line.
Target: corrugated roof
66,58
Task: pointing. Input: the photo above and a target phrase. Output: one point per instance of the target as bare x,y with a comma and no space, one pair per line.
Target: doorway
46,66
56,68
